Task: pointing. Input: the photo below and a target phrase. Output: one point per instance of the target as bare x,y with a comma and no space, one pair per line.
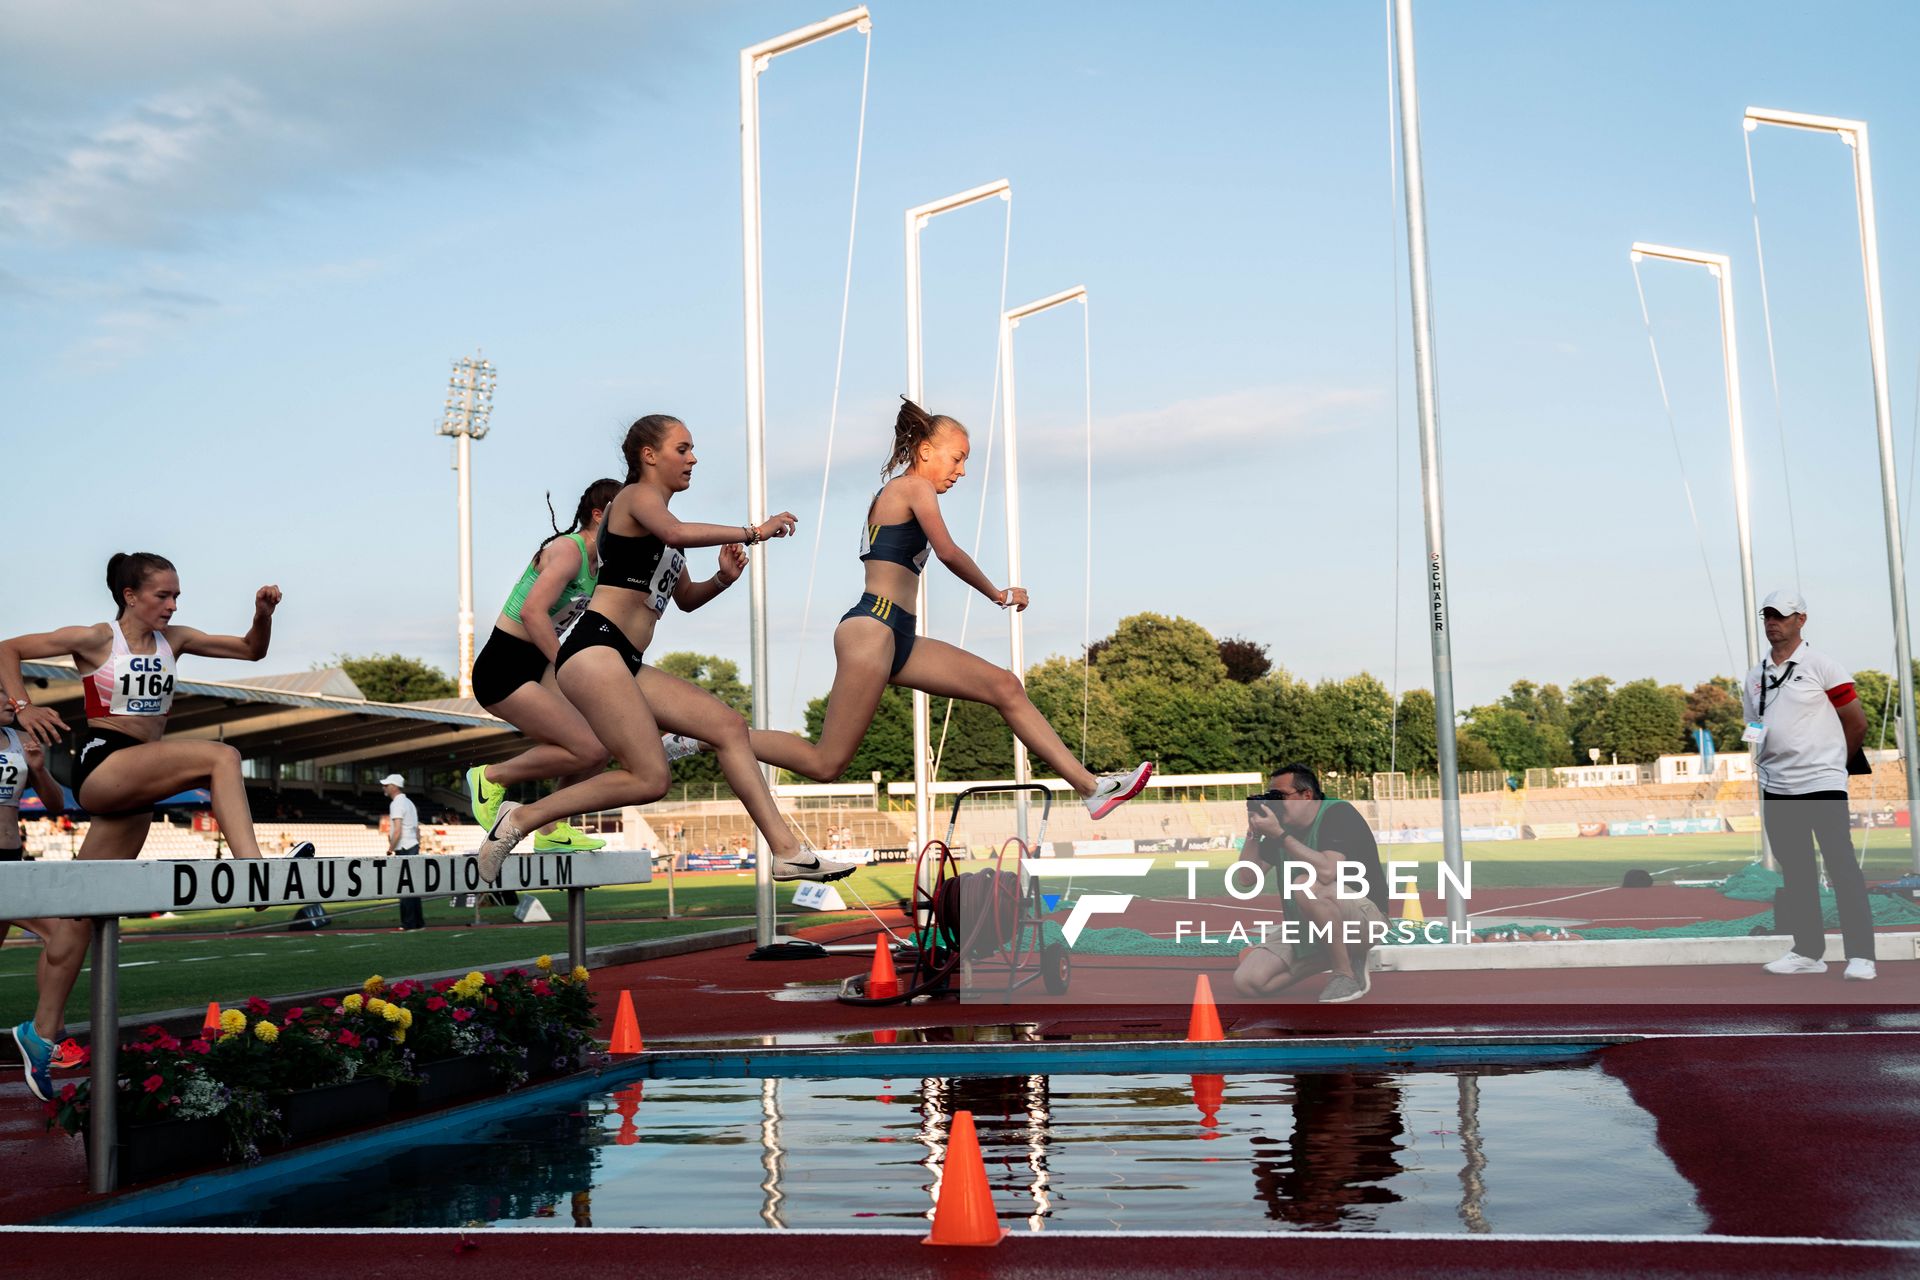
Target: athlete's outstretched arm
650,509
925,504
690,595
82,644
250,647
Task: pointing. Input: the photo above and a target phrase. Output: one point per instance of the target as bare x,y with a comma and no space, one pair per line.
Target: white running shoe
1861,969
679,746
811,866
499,843
1794,962
1115,789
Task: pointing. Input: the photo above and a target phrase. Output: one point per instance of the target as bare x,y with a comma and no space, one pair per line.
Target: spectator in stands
1807,729
403,840
1294,822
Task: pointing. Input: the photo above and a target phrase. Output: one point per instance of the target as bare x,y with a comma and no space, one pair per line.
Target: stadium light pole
1439,623
1854,134
1016,628
466,417
755,59
917,219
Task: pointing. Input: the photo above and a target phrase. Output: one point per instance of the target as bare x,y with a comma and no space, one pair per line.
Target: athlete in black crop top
600,668
876,645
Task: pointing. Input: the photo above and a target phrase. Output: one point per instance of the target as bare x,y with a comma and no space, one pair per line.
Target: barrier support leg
576,927
103,1122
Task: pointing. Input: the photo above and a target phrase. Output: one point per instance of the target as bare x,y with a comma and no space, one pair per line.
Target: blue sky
240,245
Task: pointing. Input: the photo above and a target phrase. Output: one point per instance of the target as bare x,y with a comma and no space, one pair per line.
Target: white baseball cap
1785,603
395,780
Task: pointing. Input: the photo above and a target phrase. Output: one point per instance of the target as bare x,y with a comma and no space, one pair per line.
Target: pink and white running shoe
1115,789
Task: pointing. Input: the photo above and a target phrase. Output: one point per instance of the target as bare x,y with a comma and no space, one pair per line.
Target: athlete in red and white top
122,766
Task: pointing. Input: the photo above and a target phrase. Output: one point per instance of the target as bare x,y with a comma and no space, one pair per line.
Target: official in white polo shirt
1805,723
403,839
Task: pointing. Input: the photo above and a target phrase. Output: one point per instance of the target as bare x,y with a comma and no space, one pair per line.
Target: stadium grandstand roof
316,716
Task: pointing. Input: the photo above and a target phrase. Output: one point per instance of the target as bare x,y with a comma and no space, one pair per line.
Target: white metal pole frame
1016,626
1854,134
1425,386
468,409
1722,271
917,219
753,60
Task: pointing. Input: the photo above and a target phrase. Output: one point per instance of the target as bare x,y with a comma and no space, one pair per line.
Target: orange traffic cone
964,1214
626,1102
1209,1091
882,982
886,1037
1205,1022
211,1027
626,1027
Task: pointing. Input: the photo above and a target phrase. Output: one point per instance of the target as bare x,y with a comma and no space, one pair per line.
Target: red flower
156,1031
435,1004
328,1002
492,1004
167,1043
514,973
257,1007
199,1046
152,1084
293,1014
461,1015
540,988
349,1039
66,1094
445,984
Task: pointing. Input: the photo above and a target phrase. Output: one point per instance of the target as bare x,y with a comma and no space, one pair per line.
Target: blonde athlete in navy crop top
513,674
601,667
875,644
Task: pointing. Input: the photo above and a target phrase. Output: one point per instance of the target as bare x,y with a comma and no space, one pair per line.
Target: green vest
572,595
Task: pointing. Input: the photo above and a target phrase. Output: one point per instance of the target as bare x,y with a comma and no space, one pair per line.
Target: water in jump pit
1473,1149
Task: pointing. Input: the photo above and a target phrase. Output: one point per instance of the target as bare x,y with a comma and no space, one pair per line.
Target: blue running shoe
35,1055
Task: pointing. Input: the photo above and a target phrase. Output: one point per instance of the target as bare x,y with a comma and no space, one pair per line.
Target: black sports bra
641,563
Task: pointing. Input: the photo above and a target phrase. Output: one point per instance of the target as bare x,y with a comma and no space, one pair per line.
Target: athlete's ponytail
649,432
129,571
913,428
596,498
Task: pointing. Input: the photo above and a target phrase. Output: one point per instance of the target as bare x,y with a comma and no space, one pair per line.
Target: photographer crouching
1293,822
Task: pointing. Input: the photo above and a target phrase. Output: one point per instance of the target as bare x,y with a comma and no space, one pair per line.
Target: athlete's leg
64,944
946,671
863,653
567,741
597,680
137,776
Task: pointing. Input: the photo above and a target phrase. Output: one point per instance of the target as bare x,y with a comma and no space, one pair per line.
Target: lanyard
1766,684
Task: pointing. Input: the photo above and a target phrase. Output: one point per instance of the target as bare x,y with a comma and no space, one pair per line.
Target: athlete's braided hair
646,433
129,571
914,427
596,498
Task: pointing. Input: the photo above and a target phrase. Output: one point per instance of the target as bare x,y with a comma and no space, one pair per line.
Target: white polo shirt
1805,749
403,816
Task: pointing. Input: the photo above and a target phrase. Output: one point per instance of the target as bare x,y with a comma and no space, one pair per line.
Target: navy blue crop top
903,544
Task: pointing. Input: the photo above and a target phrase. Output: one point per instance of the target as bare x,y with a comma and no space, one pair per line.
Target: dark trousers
411,915
1793,824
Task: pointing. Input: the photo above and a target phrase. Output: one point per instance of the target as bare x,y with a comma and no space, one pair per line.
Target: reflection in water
1414,1150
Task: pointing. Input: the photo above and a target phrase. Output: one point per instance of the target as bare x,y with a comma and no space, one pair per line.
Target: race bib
1754,733
666,576
567,614
142,684
13,772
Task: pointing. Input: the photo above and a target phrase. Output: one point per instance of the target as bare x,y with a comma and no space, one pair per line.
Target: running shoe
1115,789
809,865
485,796
1861,969
35,1055
501,838
69,1055
1794,962
679,746
564,838
1340,989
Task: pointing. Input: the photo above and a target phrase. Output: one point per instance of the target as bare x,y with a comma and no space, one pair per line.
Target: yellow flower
266,1032
400,1036
406,1015
376,1005
374,983
476,980
579,973
233,1021
352,1004
391,1012
544,963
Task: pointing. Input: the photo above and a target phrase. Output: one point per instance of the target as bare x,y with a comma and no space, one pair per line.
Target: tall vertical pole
1854,134
917,219
469,408
1425,380
464,448
753,60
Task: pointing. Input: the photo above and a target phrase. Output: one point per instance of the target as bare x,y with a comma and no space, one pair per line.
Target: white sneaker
1115,789
809,865
1860,969
500,841
679,746
1794,962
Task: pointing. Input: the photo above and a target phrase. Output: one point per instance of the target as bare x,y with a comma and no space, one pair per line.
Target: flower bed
268,1082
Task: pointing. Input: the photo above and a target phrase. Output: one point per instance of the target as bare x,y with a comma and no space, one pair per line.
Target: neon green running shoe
486,796
564,839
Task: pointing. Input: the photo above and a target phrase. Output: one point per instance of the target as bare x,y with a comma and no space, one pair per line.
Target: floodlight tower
466,417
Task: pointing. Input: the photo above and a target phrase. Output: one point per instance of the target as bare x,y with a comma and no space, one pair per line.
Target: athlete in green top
513,674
